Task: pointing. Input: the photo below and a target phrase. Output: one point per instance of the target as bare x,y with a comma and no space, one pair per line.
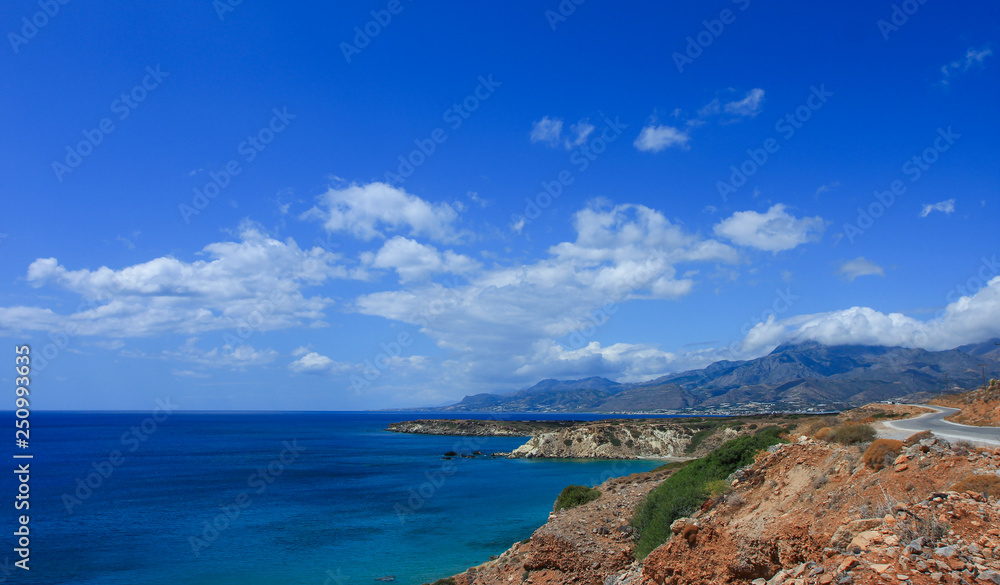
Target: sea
324,498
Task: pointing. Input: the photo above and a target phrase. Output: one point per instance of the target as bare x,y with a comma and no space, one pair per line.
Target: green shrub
683,492
672,466
696,440
851,433
575,495
717,487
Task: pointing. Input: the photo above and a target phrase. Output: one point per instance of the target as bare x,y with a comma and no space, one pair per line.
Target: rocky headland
606,439
812,511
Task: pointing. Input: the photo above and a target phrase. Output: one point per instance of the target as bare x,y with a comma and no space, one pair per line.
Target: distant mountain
792,376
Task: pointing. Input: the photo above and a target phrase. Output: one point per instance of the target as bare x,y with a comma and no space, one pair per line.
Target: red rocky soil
804,513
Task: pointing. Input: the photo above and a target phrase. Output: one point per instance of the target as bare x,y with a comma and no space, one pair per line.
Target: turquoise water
277,498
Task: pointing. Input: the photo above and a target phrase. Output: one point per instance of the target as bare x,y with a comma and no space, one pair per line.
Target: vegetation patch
916,438
851,433
881,453
979,484
697,438
575,495
687,488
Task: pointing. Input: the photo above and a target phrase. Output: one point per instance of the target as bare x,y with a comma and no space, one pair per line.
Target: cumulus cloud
749,106
774,231
547,130
860,266
656,138
496,317
370,211
415,261
315,363
945,207
234,357
623,362
550,131
973,57
255,283
967,319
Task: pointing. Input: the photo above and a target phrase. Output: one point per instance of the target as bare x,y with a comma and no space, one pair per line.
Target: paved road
935,423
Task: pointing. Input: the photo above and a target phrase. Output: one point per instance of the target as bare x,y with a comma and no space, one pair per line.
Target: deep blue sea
271,498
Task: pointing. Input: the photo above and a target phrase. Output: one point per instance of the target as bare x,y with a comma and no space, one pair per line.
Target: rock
759,582
847,564
945,551
843,535
991,576
901,467
678,525
879,568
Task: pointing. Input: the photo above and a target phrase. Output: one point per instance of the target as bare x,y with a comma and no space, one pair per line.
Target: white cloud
623,362
415,261
369,211
581,131
495,318
968,319
256,283
657,138
774,231
749,106
228,356
946,207
314,363
973,57
549,131
859,266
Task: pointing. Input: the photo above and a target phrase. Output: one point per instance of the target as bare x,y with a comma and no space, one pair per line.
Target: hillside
809,512
793,376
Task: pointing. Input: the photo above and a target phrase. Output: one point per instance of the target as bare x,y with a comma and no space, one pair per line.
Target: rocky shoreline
805,513
656,438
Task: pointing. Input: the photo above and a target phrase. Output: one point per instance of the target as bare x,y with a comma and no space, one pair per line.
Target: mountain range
792,376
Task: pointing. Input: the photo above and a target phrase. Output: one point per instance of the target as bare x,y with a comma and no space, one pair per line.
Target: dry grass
881,453
851,433
916,438
979,484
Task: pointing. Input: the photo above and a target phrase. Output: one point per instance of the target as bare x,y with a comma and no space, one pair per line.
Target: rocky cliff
612,441
607,439
805,513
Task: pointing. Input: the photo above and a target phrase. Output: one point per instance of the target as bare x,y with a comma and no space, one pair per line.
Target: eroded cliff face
609,441
806,513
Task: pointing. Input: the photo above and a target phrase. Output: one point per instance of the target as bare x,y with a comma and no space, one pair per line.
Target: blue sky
263,206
